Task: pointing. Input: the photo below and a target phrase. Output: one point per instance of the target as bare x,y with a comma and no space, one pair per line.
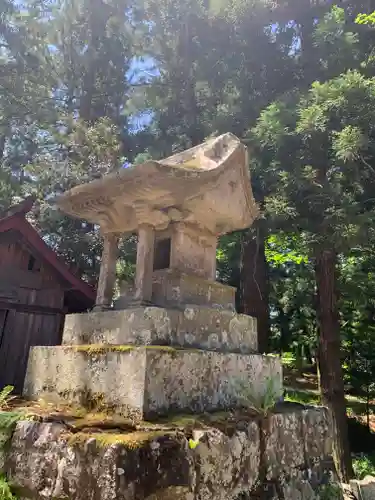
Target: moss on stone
131,441
106,348
71,411
187,418
180,421
163,348
99,416
48,409
227,422
102,348
87,400
103,421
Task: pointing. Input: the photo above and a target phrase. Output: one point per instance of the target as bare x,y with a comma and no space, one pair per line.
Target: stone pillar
145,263
194,251
107,276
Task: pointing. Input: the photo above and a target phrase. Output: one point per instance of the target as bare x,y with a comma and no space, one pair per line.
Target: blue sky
141,69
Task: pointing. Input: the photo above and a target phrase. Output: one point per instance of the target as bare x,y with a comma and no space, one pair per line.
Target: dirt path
304,388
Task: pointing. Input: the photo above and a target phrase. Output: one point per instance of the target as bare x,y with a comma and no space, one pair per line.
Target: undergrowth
302,397
330,492
5,491
261,402
8,421
5,397
364,465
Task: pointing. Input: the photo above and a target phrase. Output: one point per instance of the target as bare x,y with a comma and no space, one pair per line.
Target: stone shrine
177,344
174,345
178,207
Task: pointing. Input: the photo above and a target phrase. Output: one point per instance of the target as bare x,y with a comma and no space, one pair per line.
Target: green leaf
193,444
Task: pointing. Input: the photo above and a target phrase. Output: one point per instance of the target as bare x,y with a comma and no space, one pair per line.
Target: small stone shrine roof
208,185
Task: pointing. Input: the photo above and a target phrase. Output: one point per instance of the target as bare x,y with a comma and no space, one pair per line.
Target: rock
48,460
364,489
172,493
299,490
347,492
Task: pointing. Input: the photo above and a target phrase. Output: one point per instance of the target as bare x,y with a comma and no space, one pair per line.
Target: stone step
194,326
143,382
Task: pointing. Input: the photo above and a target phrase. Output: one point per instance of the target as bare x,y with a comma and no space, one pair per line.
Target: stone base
124,302
194,326
172,288
46,460
142,382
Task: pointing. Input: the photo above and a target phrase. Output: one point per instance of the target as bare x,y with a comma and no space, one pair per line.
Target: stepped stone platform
141,382
193,326
151,361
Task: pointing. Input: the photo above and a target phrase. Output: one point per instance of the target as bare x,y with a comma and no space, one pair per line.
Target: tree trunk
98,25
254,284
2,146
4,133
330,369
189,101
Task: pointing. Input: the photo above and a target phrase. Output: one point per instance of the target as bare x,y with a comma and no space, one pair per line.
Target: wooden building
37,289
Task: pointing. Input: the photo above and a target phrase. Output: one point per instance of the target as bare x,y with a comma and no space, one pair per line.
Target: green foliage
366,18
302,397
5,491
5,396
331,126
337,45
288,359
364,465
330,491
318,159
193,444
284,250
8,421
260,402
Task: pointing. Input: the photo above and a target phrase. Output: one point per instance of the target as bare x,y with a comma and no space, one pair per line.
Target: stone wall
288,455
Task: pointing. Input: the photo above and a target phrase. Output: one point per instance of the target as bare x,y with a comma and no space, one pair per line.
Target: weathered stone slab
145,381
45,460
194,326
210,184
281,449
365,489
171,288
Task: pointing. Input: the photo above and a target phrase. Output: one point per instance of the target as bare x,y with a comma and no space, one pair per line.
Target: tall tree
210,81
91,47
327,140
25,94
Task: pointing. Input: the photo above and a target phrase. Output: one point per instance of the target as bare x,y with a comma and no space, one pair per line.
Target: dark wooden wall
17,255
31,309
